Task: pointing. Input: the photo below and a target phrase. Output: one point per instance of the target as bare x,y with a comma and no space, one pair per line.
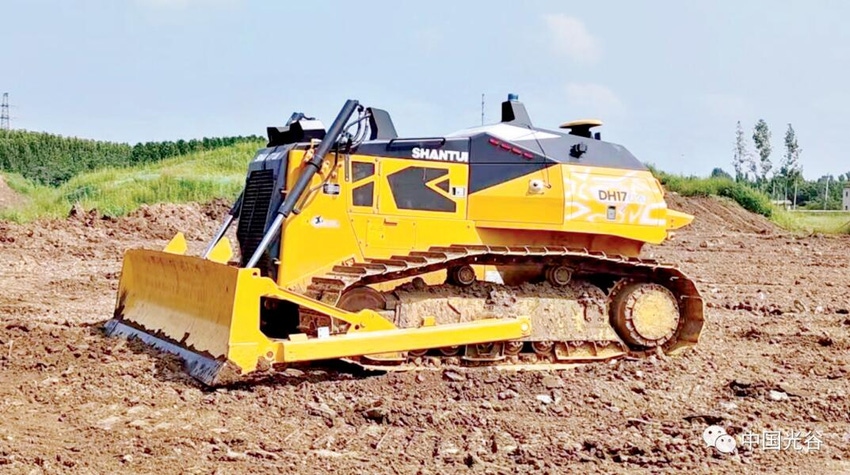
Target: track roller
513,347
558,275
462,276
542,348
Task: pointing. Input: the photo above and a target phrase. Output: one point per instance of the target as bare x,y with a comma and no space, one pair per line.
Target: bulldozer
502,244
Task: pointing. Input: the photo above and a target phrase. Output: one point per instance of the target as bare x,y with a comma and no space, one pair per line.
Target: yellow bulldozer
504,244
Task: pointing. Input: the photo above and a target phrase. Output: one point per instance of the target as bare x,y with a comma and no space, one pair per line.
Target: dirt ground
774,357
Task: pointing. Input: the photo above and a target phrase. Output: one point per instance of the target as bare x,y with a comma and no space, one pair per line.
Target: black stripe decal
409,190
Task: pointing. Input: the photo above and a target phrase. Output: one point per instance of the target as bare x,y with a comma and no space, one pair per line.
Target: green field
757,202
200,176
749,198
813,221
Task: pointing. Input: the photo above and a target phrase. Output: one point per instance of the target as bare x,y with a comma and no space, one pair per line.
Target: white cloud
594,99
570,37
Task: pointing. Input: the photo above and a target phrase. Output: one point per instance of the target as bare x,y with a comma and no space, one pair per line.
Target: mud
575,312
774,357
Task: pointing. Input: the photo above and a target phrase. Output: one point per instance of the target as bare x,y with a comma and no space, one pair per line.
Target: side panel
427,189
537,198
628,203
321,235
397,205
506,187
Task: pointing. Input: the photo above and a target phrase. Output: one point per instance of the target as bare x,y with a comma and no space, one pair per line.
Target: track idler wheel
360,298
645,315
462,276
356,299
558,275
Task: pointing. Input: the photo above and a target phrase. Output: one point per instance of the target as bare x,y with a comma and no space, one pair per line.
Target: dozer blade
208,314
179,304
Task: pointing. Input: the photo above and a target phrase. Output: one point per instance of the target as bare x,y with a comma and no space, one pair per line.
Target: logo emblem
716,436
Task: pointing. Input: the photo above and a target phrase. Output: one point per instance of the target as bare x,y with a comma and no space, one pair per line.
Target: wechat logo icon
716,436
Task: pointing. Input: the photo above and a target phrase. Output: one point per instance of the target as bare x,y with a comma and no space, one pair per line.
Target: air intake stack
513,112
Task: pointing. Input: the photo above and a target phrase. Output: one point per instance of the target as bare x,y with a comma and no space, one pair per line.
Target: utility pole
482,108
795,192
4,113
826,193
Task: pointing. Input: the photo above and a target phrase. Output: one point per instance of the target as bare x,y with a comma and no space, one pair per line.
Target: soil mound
719,215
159,221
163,220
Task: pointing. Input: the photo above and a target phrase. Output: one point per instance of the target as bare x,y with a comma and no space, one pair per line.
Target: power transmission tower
4,113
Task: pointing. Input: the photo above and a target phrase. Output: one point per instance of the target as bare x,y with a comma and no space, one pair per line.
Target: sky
670,79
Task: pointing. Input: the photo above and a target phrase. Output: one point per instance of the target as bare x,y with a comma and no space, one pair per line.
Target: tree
761,138
720,173
53,159
752,167
790,167
741,155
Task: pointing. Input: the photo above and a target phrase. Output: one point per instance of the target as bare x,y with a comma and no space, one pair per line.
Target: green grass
757,202
814,222
746,196
200,177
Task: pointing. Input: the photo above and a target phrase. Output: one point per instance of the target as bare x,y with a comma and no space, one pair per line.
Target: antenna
4,112
482,108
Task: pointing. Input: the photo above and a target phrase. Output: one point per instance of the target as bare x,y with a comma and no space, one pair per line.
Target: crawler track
579,323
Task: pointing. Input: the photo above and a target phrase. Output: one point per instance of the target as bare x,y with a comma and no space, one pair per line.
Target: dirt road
774,357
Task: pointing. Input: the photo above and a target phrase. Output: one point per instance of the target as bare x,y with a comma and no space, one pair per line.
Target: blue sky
669,78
